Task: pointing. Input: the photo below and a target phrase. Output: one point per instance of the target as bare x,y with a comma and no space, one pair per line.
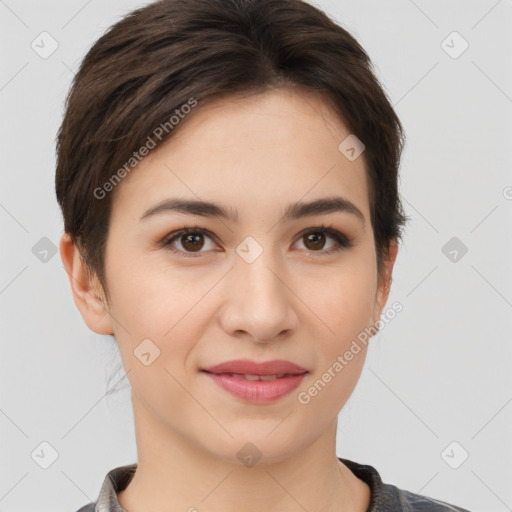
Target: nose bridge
258,301
258,268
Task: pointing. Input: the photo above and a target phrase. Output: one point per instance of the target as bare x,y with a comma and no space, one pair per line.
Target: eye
192,241
315,240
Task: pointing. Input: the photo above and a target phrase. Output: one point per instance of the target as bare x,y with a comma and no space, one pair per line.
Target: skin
255,154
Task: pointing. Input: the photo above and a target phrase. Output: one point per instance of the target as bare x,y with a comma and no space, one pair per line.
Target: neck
175,475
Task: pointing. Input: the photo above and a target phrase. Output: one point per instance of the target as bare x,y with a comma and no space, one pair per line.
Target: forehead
251,152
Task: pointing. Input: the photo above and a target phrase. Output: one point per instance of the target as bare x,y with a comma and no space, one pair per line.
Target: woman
227,172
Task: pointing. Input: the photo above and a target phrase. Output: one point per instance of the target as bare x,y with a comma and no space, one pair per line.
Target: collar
384,497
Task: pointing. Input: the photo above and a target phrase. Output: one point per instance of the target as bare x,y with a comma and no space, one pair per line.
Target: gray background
439,372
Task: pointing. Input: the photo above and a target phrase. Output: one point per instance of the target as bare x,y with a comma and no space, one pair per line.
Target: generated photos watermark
151,142
304,397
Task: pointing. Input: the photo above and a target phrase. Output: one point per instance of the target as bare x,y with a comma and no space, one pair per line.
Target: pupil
193,240
315,238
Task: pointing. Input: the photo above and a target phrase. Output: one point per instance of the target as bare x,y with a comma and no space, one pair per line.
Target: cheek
344,305
154,302
159,329
153,298
344,300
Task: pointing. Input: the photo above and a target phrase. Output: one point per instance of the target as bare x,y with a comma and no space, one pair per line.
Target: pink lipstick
257,382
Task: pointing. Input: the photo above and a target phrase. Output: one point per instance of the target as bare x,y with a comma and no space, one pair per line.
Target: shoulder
387,497
412,502
91,507
115,481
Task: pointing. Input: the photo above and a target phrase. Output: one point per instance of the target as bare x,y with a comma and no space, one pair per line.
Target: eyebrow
293,211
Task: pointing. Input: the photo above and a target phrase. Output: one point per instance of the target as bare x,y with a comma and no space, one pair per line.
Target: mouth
257,382
276,367
248,376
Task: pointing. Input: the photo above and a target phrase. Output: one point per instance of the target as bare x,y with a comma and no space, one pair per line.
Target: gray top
384,497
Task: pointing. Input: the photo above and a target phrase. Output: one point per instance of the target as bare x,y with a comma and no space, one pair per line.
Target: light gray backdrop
433,409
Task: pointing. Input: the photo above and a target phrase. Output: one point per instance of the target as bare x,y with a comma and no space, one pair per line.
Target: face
258,284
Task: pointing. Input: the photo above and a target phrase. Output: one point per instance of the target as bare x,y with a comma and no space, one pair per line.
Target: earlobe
87,292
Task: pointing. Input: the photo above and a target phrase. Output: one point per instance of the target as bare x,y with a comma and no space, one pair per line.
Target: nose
259,304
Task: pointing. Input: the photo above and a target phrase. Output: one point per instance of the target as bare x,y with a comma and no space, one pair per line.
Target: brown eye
192,242
315,240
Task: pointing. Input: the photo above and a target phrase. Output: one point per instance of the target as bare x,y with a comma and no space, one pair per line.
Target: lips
248,376
277,367
257,382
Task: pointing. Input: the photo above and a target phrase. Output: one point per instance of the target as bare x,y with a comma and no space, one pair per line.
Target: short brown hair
158,57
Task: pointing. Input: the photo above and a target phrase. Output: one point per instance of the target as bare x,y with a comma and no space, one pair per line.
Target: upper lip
249,367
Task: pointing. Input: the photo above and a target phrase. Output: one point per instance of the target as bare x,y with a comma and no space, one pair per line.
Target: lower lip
257,391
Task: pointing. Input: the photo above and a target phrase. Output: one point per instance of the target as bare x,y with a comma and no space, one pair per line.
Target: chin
252,446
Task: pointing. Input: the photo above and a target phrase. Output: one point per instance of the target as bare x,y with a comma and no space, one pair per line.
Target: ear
88,293
384,281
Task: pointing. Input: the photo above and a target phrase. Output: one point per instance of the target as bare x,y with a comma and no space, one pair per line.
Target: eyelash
342,241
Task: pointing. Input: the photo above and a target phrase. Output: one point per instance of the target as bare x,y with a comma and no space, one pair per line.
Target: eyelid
169,239
331,231
342,241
